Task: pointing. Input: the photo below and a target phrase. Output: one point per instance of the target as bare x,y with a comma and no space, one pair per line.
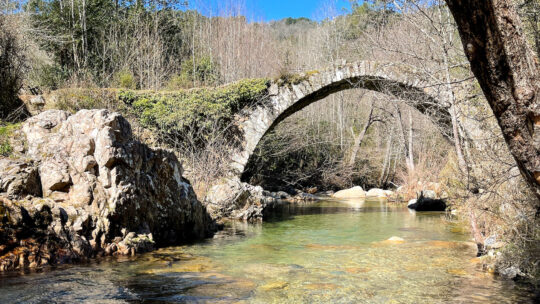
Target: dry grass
424,176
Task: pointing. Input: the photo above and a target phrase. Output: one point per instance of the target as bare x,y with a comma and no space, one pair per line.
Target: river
324,252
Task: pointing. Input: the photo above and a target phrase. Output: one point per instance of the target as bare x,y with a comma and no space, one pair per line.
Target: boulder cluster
79,186
358,192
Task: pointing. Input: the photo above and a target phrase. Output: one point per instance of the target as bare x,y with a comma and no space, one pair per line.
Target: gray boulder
234,199
19,178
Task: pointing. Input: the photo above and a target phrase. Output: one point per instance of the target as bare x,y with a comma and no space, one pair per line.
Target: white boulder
375,192
354,192
429,194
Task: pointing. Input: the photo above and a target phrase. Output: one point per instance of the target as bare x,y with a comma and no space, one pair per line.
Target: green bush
6,131
125,79
181,81
195,72
203,110
5,149
73,100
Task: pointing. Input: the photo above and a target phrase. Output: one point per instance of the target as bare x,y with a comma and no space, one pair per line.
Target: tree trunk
507,70
360,137
457,142
478,237
452,101
403,137
387,161
411,155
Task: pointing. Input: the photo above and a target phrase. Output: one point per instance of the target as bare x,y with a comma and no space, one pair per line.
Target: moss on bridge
202,109
294,79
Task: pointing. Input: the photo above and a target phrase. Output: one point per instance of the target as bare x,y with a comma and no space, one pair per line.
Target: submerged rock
274,285
84,187
394,240
354,192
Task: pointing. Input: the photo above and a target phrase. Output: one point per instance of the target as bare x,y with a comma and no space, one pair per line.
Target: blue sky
268,10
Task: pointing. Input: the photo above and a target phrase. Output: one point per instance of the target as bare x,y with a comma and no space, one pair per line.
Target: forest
178,71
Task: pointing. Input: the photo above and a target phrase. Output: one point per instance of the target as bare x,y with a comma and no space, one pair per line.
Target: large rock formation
80,186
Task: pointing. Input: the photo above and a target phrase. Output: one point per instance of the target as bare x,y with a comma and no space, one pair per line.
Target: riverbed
323,252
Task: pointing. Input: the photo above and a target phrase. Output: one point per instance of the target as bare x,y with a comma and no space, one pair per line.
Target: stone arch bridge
288,97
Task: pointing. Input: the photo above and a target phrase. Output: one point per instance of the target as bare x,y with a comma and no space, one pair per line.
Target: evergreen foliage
204,110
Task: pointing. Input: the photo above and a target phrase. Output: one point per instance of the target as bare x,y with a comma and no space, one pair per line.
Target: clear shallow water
326,252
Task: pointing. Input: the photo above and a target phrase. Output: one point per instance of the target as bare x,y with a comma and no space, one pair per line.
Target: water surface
324,252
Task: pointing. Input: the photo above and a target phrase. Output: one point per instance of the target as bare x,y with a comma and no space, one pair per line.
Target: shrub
179,82
6,131
5,149
125,79
200,71
73,100
204,110
287,78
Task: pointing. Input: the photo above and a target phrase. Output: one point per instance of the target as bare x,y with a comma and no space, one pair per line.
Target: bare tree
359,138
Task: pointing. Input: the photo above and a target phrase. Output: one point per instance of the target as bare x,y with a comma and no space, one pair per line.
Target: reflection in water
333,252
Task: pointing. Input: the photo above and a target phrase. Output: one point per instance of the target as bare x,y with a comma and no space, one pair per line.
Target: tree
508,73
12,67
359,138
529,10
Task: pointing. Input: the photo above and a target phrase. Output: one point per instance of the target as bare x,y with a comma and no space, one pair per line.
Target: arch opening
315,148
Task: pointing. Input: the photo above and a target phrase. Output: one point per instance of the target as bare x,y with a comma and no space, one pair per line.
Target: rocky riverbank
80,186
237,200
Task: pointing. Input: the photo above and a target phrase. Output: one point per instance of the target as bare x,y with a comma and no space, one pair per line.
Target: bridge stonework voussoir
287,99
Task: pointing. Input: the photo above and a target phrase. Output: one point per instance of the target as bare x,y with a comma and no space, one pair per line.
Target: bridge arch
286,98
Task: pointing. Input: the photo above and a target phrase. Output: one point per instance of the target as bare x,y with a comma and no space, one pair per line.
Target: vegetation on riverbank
6,132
